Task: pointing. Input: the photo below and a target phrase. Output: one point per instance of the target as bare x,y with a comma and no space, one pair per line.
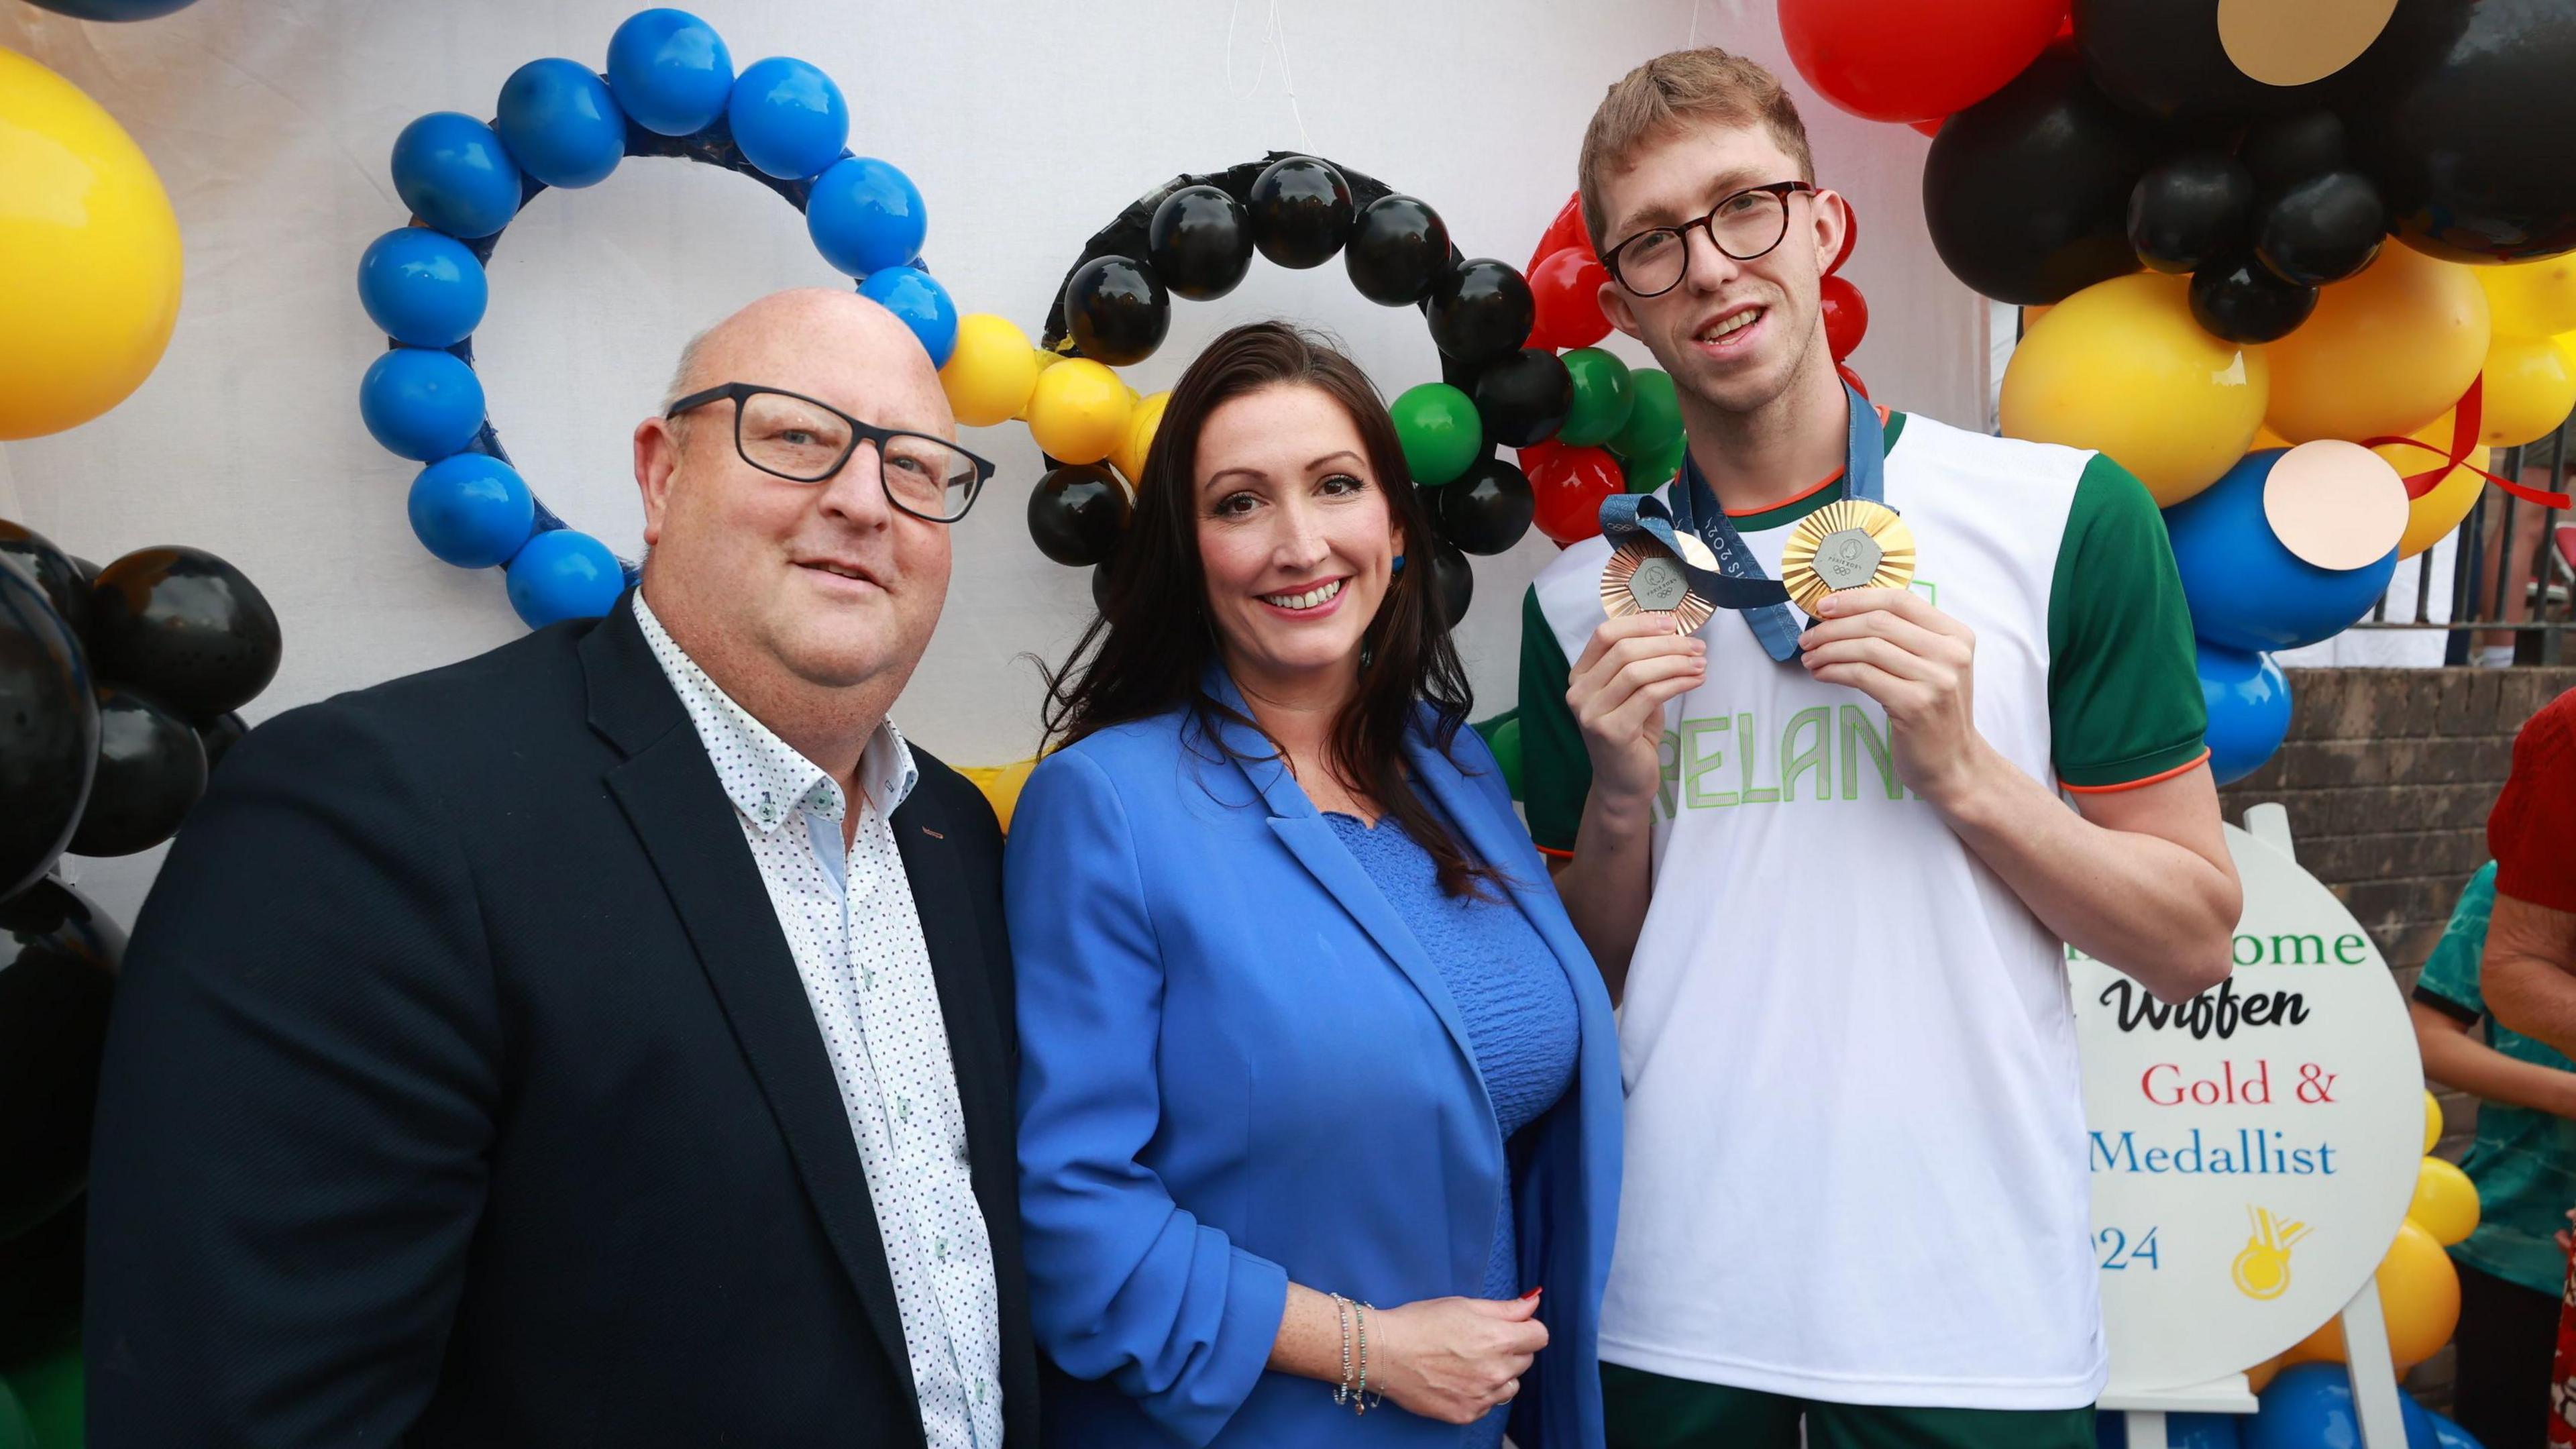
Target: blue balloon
114,9
788,117
2249,709
670,70
420,403
454,173
916,297
561,123
2447,1435
472,510
2245,588
865,216
2182,1431
2309,1406
422,287
564,573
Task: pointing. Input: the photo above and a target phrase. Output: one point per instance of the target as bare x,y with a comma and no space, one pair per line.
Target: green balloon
1654,419
15,1431
1441,434
49,1388
1507,753
1647,474
1602,395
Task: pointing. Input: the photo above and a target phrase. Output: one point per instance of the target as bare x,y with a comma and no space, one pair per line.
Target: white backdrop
1027,126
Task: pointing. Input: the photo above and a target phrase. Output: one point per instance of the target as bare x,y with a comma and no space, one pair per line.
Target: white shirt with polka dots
849,920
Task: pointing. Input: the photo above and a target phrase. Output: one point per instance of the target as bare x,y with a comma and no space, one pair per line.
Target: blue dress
1519,1008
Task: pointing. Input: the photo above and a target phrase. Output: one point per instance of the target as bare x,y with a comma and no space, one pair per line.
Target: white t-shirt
1855,1151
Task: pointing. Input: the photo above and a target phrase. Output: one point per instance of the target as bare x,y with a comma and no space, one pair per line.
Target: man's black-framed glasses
1745,225
792,436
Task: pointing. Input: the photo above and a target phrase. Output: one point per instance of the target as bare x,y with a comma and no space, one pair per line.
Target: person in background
1319,1097
2512,1269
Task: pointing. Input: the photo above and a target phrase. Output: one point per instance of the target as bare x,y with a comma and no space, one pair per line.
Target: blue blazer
1240,1069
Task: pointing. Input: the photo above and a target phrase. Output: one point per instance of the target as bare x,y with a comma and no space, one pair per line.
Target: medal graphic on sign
1850,544
1644,577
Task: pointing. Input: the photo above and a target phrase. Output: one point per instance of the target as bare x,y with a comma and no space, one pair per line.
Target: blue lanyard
1694,506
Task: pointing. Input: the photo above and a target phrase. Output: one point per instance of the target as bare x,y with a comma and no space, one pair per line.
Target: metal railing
2514,570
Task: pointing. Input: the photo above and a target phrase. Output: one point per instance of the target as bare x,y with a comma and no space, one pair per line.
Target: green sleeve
1556,771
2124,701
2450,976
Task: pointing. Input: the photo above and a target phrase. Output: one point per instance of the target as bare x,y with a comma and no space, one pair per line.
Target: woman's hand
1617,691
1453,1359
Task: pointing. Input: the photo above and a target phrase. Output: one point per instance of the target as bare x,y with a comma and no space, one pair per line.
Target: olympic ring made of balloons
1195,236
670,89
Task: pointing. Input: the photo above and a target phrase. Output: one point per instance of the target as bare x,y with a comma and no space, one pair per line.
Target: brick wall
2388,775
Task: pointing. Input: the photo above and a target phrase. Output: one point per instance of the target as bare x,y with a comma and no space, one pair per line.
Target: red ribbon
2465,421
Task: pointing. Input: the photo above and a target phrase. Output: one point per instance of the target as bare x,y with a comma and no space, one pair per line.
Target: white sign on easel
2253,1152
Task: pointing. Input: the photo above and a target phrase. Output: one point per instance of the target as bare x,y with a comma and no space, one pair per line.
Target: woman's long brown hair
1145,651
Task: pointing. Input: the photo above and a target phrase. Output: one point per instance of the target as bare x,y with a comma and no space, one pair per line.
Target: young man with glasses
610,1038
1829,862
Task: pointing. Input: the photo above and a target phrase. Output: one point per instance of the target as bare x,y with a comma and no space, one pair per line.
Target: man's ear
1833,223
657,463
1614,305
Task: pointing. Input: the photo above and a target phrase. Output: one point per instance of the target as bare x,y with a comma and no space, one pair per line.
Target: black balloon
1077,512
2163,58
1453,581
1301,211
151,770
184,626
1200,242
2321,230
1117,310
40,1285
58,958
2240,299
219,735
1524,397
48,730
2026,193
2188,209
88,570
2475,150
1100,588
51,568
1487,509
2283,152
1481,310
1398,251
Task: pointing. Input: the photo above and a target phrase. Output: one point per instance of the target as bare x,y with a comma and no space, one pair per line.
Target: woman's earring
1399,565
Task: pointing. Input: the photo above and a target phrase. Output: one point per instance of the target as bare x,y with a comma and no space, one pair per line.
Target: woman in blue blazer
1319,1094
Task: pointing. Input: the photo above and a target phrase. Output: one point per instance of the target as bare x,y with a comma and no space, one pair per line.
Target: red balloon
1846,315
1853,378
1566,285
1904,60
1570,484
1851,235
1565,231
1929,128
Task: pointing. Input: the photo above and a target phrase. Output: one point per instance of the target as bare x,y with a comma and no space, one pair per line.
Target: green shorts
1650,1411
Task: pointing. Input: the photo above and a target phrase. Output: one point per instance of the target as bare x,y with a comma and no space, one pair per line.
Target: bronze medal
1851,544
1644,578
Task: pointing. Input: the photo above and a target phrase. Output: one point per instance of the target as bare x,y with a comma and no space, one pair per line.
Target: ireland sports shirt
1855,1155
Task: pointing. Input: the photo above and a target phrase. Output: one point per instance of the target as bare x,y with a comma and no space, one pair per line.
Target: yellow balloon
1001,785
1043,360
2446,1202
2432,1104
1130,457
2419,1295
2532,298
2531,386
2266,438
2384,353
1078,411
990,372
2430,519
89,256
2259,1377
2121,367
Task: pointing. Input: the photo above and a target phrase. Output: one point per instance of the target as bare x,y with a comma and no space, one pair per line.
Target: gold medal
1643,578
1851,544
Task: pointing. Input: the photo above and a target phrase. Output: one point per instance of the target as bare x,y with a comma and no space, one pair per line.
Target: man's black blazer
461,1090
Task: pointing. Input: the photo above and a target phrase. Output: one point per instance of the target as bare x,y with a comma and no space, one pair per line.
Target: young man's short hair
1673,90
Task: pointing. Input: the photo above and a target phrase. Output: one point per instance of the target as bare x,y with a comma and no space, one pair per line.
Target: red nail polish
1533,1293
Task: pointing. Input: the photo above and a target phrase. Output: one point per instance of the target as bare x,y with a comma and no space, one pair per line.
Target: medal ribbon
1744,587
